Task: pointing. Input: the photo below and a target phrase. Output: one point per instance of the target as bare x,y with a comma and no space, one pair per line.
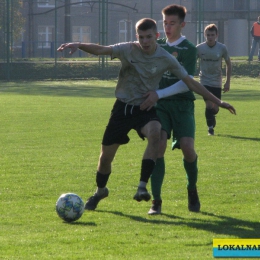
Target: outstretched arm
152,96
201,90
87,47
178,87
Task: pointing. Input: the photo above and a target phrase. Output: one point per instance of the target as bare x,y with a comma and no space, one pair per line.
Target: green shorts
177,117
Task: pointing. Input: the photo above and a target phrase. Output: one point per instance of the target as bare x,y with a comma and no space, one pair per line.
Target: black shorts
215,91
123,118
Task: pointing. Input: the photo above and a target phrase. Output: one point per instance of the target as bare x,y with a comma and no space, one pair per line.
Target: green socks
192,173
157,178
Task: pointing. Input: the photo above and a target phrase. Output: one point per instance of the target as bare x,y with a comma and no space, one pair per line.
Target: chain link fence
31,52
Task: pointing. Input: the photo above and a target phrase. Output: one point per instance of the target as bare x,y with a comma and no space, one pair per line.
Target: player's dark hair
178,10
211,27
146,24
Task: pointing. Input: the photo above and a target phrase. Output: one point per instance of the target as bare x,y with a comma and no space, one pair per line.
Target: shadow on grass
240,137
81,223
217,224
60,90
242,95
224,225
239,95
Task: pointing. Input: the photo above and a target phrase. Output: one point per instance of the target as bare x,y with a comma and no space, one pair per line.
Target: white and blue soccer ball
70,207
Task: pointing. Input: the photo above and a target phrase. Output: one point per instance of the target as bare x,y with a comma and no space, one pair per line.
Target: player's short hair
211,27
146,24
173,9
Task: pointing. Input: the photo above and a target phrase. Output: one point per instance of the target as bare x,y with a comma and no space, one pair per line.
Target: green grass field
50,136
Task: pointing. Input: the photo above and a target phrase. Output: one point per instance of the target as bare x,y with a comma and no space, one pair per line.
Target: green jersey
186,53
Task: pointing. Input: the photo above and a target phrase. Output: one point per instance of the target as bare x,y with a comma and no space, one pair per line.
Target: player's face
147,40
211,37
172,27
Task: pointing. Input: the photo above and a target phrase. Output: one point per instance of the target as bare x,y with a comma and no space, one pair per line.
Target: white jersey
211,63
141,72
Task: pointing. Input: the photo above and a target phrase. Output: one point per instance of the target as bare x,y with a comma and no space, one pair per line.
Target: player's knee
189,155
187,147
209,104
162,148
210,112
153,132
216,110
188,151
154,135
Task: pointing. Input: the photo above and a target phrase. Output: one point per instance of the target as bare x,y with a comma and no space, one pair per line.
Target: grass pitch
50,136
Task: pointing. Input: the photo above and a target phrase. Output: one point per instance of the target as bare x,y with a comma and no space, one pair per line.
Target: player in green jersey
176,112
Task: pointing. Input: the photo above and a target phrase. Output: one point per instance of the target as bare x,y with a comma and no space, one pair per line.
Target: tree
11,22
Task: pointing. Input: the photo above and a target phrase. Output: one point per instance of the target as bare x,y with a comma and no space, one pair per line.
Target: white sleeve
178,87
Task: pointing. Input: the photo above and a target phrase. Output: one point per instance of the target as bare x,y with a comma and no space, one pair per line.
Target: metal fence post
7,40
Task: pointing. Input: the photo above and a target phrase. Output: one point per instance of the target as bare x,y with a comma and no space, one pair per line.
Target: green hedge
246,69
45,71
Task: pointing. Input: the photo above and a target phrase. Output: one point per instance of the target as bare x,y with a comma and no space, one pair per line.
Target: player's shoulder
221,46
188,45
162,51
124,45
129,47
201,45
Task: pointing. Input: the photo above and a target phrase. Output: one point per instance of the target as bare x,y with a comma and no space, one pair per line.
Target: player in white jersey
210,54
143,64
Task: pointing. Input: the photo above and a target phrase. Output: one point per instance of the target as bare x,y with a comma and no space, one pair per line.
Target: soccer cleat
156,207
142,194
211,131
193,201
93,201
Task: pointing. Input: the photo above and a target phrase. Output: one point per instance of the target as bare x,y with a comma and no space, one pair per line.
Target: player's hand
151,99
226,87
231,109
72,46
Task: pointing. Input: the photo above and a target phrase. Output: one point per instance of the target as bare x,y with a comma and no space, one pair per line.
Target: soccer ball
69,207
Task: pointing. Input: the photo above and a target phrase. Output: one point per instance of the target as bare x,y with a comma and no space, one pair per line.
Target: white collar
176,42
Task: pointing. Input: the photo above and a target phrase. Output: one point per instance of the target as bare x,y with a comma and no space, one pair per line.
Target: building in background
48,23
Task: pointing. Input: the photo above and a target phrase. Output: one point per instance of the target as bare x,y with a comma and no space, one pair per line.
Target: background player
210,54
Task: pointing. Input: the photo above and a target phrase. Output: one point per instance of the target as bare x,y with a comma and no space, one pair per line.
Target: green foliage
246,69
69,70
243,68
15,22
50,136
